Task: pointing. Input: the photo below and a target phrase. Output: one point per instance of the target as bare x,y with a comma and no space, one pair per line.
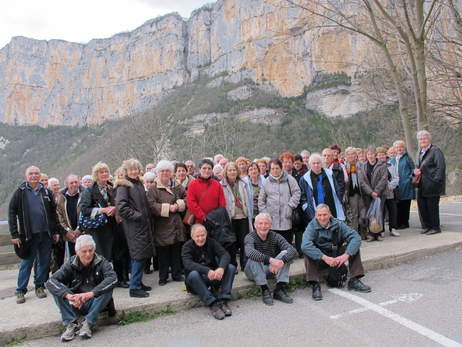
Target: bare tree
400,29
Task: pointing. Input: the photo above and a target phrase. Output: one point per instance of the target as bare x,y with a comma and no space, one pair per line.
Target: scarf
321,195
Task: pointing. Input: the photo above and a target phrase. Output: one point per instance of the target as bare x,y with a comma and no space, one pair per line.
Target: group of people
201,225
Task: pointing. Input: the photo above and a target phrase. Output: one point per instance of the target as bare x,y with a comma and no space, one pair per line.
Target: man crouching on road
82,286
317,243
268,254
207,268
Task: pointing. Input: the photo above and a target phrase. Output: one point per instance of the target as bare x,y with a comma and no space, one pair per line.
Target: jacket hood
23,185
332,222
283,178
123,182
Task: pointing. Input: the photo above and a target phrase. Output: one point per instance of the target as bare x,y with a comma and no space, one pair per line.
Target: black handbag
337,276
23,251
298,220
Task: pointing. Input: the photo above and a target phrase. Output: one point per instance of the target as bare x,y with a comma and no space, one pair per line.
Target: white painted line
432,335
360,310
445,214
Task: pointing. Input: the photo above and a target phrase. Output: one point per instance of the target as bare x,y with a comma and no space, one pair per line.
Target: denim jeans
90,310
41,254
259,272
200,285
137,268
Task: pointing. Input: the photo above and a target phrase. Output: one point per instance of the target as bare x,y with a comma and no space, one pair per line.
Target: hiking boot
20,298
145,287
316,291
266,297
138,293
85,330
356,284
216,311
225,308
40,292
69,333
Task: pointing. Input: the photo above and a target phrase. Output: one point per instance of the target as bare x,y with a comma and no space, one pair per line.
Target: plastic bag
375,216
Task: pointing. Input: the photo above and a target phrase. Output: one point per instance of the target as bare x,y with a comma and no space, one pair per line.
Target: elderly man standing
317,245
82,287
431,168
206,266
268,253
33,206
68,211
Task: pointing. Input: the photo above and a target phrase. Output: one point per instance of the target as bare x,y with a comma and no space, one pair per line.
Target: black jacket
203,259
218,225
133,208
73,278
339,176
433,167
18,211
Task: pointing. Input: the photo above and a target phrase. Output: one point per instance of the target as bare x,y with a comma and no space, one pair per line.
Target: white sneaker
394,233
69,333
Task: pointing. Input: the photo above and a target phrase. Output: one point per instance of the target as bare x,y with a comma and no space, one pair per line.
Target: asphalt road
415,304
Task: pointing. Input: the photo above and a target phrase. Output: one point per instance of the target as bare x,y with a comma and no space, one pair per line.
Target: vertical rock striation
61,83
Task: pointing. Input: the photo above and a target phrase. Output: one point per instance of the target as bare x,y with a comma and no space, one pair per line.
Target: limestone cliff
62,83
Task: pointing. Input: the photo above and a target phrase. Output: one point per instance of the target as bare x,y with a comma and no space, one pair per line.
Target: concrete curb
54,328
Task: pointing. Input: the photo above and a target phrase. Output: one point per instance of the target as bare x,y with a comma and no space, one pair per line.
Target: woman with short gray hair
166,199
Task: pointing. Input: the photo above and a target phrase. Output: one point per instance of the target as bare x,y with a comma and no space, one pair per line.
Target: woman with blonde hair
98,200
405,188
242,165
132,206
238,206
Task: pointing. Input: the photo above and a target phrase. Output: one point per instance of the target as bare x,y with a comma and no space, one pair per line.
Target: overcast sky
83,20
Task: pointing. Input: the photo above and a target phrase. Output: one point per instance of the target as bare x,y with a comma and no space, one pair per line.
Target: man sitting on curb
317,246
82,286
268,253
206,265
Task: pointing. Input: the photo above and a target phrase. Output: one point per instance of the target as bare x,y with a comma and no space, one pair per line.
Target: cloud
83,20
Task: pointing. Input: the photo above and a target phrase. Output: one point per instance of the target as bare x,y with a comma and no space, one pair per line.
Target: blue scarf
320,190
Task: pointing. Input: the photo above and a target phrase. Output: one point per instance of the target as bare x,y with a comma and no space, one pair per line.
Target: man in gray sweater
268,254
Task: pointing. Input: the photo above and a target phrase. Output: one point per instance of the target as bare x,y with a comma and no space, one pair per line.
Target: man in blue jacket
317,245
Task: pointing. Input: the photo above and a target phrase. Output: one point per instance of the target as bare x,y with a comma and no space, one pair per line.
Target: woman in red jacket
204,193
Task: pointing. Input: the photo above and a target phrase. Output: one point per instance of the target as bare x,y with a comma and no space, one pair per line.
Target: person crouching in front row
268,253
317,245
207,269
82,287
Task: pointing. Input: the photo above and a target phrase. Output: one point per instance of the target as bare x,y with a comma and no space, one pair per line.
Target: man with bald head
208,272
33,207
68,210
329,243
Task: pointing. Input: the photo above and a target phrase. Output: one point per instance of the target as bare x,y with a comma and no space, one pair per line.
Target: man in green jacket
317,245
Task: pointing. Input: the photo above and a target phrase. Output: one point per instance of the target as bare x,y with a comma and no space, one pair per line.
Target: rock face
62,83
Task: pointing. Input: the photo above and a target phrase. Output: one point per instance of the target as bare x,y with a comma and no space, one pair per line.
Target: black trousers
403,213
429,210
120,254
287,234
169,257
240,228
391,206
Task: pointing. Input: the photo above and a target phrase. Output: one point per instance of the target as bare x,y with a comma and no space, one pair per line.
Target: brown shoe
40,293
216,311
